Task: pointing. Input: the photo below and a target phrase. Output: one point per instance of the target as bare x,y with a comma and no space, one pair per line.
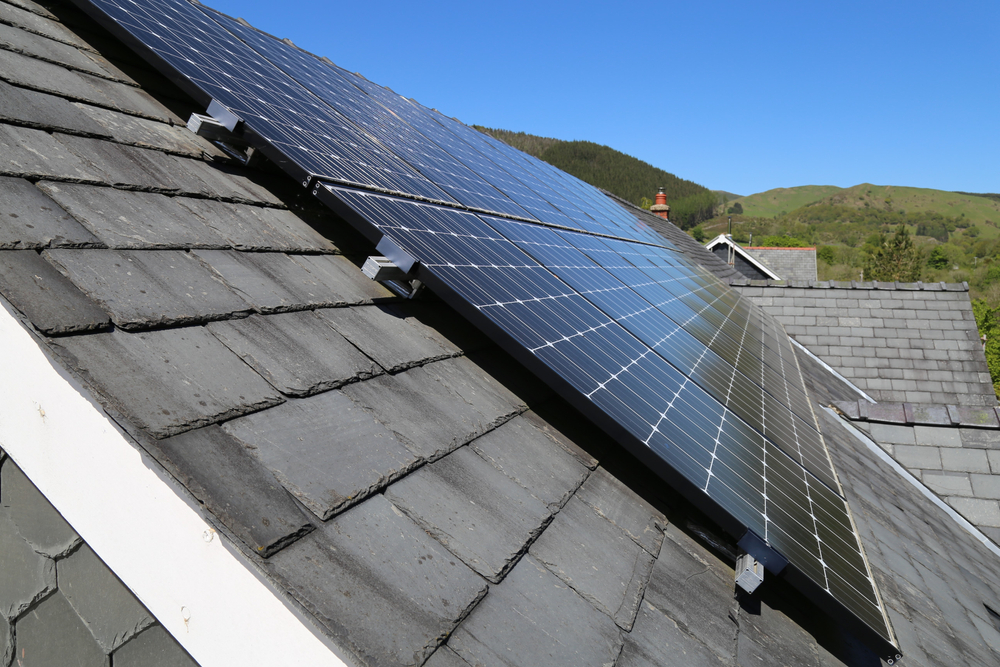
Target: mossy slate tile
326,450
474,510
46,297
384,333
298,353
168,381
26,576
533,459
29,219
597,560
37,521
232,483
384,589
143,289
52,634
532,618
108,609
40,110
133,220
154,647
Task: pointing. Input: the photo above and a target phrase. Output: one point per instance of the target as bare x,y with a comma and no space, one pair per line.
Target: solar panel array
671,361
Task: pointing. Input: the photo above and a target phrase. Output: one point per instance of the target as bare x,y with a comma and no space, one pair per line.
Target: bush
826,254
698,233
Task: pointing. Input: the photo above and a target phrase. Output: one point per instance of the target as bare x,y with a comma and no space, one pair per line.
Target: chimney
661,208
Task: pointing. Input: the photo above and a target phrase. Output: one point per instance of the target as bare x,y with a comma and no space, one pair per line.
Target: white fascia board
723,238
140,521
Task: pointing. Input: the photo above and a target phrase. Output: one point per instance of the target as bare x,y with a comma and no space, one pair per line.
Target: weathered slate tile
38,24
28,152
623,507
597,560
298,353
37,521
52,634
211,180
133,220
108,609
39,75
487,396
36,46
147,133
385,334
338,274
29,219
270,281
26,575
6,645
34,8
561,439
382,587
533,459
147,288
47,298
326,450
250,227
154,647
475,511
431,419
533,618
120,165
235,487
695,590
169,381
29,107
657,640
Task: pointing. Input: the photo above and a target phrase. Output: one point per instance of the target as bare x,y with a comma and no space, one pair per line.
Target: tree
893,258
938,259
988,322
698,233
735,209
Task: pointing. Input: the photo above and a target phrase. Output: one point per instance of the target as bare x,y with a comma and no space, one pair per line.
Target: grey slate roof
914,343
420,495
789,263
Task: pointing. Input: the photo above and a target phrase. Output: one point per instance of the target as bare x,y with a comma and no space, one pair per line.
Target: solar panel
694,379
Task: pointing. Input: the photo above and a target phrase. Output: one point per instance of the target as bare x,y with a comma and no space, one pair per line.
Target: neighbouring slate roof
898,342
397,474
788,263
59,603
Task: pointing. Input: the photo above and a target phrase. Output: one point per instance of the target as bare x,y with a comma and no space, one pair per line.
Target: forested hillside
626,176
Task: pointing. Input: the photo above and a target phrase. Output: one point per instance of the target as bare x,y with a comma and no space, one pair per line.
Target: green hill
601,166
773,203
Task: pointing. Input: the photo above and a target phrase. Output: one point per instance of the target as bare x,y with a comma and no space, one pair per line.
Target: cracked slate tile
154,647
383,588
108,609
122,166
624,508
144,289
430,417
29,107
29,219
533,618
387,335
133,220
168,381
475,511
272,282
231,482
255,228
37,521
46,297
532,457
597,560
28,152
26,575
445,657
327,451
52,634
6,643
298,353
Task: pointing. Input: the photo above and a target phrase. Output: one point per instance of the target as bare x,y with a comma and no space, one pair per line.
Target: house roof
417,495
759,269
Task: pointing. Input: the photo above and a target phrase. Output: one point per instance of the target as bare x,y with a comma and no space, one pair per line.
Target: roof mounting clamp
749,573
393,269
381,269
223,128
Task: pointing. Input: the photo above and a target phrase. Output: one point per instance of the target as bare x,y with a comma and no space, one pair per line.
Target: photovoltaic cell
693,377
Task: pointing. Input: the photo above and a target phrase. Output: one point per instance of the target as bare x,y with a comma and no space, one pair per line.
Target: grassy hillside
602,166
781,200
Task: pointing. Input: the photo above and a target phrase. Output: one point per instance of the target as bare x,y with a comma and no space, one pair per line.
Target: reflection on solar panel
699,383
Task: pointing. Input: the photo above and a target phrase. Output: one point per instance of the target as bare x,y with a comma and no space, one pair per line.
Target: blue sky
736,96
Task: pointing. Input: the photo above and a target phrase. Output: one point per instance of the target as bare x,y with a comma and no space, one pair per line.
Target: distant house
763,263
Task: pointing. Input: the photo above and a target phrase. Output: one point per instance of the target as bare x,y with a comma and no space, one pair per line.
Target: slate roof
788,263
420,495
